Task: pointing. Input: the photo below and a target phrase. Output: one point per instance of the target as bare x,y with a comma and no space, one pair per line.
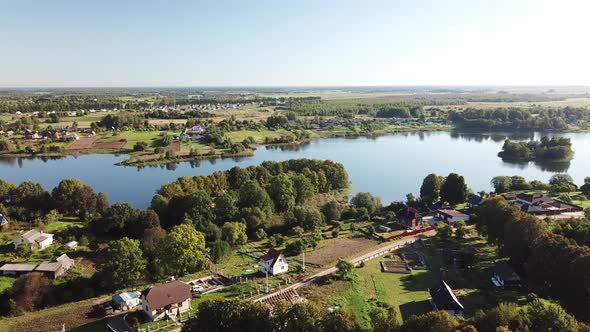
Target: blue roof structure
124,297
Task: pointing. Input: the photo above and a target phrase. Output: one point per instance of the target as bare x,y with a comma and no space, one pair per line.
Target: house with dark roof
55,269
541,204
473,201
443,298
504,275
166,300
450,216
273,262
409,217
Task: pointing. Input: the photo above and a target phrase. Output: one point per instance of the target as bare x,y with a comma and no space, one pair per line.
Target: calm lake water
388,166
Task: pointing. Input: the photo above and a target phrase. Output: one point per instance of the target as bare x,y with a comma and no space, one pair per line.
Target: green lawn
408,293
5,283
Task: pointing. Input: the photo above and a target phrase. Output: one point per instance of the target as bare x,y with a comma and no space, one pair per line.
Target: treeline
519,119
235,315
249,195
555,149
558,183
553,265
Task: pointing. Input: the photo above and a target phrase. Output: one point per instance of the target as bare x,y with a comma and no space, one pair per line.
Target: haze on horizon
272,43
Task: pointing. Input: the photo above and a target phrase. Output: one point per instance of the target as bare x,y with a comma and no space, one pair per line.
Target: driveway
117,324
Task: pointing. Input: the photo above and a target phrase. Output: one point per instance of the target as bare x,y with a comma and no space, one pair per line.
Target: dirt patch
89,268
82,143
337,249
109,145
174,146
87,143
395,267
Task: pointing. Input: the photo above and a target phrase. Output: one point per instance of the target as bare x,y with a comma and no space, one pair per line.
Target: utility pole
303,267
267,288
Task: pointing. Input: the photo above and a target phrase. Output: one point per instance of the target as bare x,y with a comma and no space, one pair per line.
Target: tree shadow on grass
414,308
419,281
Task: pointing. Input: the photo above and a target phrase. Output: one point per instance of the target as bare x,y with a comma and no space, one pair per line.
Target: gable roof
444,298
31,235
408,213
272,254
451,213
49,267
474,199
169,293
505,272
66,261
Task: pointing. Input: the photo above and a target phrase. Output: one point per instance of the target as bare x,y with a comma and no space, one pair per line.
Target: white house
273,262
451,216
167,300
127,300
35,239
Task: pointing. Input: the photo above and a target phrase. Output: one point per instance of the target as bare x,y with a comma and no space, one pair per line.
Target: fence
168,323
410,233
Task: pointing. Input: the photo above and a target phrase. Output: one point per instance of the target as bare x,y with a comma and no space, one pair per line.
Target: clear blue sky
265,43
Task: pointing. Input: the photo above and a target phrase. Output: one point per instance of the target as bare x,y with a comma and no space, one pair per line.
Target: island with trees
547,149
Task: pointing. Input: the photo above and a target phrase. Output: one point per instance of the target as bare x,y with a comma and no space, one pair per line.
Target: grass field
408,293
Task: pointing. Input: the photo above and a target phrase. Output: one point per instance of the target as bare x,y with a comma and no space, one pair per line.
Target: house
443,298
473,201
409,217
504,275
127,300
35,239
540,204
16,269
52,270
273,262
167,300
451,216
72,244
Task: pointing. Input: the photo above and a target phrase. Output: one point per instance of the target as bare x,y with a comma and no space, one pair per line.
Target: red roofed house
409,217
451,216
273,262
167,300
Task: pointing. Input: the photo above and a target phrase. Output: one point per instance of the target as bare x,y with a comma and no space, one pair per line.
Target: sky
110,43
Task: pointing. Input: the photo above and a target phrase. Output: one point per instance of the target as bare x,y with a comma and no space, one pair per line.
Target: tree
151,239
122,263
276,240
460,229
260,234
303,316
252,195
501,184
344,269
492,216
444,231
304,189
6,189
219,251
557,179
585,188
234,233
29,291
72,197
225,208
307,217
102,203
340,320
430,189
280,190
384,318
221,315
366,200
117,218
546,316
30,196
454,189
183,251
331,211
296,247
434,321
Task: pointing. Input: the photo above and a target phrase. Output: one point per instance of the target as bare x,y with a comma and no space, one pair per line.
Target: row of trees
554,265
558,183
234,315
451,189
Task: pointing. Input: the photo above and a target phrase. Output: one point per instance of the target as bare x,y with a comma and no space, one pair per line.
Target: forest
551,149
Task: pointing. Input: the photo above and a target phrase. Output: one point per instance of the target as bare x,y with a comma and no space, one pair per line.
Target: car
196,288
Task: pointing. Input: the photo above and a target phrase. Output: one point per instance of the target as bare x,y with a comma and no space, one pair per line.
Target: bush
140,146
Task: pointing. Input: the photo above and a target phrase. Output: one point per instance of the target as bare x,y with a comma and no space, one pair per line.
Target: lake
388,166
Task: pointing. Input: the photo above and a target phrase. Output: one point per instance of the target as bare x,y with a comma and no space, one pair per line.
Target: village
437,245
